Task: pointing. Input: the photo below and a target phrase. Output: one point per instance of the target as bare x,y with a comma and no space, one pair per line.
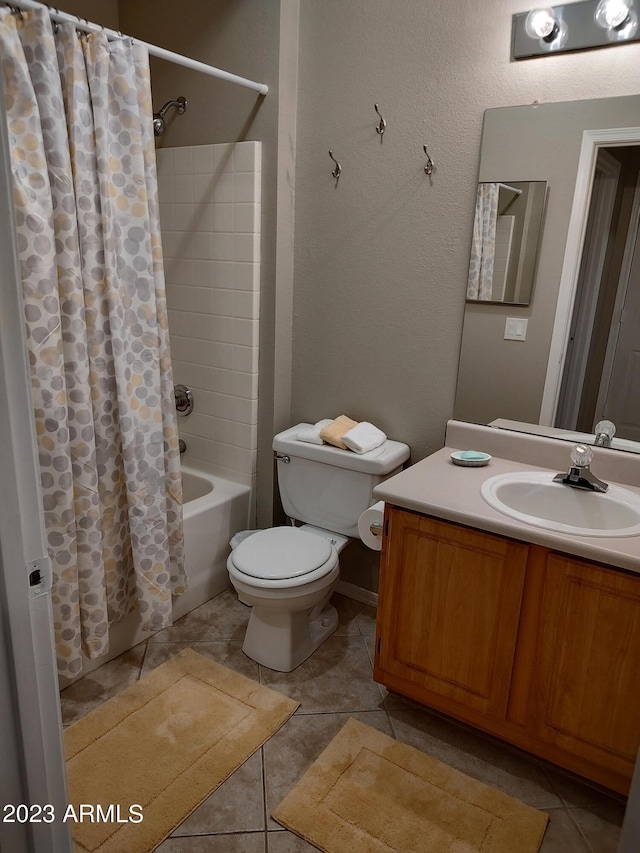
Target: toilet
287,574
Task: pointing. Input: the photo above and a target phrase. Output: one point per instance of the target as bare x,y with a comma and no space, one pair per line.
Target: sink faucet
605,430
579,475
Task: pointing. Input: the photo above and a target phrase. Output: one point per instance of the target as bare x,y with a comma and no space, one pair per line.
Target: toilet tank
328,487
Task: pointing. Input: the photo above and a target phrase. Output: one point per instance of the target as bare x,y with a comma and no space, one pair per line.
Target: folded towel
363,437
312,433
333,432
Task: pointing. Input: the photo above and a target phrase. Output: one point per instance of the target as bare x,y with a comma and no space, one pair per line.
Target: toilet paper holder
376,528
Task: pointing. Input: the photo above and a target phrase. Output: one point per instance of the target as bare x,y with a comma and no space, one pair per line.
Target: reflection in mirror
504,246
558,377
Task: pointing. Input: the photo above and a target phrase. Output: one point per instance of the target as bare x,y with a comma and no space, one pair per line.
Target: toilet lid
281,552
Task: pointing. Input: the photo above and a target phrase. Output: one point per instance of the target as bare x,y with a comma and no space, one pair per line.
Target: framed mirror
531,381
504,247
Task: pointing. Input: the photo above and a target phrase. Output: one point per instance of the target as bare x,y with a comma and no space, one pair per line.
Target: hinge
386,527
378,645
40,574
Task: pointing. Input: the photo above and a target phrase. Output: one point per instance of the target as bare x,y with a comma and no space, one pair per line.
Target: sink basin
534,498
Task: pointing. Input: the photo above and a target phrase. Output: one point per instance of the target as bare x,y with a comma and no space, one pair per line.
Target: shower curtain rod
88,27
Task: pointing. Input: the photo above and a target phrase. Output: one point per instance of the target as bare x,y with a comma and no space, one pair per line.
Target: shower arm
159,126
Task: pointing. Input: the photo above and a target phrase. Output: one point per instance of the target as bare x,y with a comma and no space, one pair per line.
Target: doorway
602,357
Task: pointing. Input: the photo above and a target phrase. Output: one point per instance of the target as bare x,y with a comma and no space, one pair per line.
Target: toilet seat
281,557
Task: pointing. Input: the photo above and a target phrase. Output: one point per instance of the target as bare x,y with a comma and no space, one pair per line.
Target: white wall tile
247,248
210,219
203,159
183,160
246,159
183,189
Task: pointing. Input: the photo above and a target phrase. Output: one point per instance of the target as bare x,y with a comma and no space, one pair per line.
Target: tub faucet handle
184,399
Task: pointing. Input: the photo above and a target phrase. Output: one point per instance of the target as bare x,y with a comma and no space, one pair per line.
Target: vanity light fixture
574,26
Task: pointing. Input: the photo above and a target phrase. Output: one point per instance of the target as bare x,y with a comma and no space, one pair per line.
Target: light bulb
611,14
541,23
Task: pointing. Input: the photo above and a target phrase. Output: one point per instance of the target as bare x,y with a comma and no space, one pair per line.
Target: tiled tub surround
210,219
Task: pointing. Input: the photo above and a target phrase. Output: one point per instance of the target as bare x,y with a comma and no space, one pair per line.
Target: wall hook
429,166
338,169
382,126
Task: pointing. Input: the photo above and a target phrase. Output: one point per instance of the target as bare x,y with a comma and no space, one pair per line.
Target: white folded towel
312,433
363,437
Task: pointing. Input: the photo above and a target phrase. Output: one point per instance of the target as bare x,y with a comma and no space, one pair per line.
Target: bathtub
214,509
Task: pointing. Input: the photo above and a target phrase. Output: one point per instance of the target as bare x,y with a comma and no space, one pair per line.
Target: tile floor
335,683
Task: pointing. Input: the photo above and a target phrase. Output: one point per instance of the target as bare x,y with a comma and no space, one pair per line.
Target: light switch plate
515,329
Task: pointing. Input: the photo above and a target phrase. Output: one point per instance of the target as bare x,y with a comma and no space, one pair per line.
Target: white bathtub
214,509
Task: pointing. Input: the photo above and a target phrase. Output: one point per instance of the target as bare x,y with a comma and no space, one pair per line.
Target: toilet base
282,640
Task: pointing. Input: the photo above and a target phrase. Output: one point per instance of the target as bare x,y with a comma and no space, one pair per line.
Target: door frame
592,140
599,216
631,242
33,768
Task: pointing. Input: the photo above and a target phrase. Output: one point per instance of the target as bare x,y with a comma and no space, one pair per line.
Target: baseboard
350,590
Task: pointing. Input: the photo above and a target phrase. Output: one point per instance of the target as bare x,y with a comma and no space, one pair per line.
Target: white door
622,405
32,772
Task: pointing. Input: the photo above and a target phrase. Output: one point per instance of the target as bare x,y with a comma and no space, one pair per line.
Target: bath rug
138,765
369,793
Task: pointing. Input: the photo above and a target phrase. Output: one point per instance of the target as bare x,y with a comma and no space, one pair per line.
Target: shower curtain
483,245
85,195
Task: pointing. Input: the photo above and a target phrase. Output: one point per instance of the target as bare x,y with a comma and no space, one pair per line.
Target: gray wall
501,378
381,260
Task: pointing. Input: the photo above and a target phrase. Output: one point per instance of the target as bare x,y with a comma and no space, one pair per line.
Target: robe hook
429,166
382,126
338,169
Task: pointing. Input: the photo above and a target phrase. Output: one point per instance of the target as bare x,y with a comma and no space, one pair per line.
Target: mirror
504,246
520,380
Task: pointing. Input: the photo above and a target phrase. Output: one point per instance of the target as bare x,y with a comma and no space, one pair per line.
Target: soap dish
470,458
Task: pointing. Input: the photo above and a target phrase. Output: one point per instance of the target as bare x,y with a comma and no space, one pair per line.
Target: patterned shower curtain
85,194
483,245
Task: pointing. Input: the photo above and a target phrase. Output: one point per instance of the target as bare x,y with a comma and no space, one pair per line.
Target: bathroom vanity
525,633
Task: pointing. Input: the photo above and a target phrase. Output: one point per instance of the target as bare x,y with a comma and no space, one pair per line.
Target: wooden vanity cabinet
537,647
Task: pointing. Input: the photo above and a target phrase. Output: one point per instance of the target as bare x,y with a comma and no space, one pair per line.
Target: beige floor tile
478,756
355,617
293,749
247,842
335,683
287,842
227,652
103,683
337,677
578,794
562,835
219,618
603,835
236,806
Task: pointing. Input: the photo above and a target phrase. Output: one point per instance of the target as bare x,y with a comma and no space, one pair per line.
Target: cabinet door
586,679
448,613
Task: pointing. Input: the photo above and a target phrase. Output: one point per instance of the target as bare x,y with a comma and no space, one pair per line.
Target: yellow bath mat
371,794
142,762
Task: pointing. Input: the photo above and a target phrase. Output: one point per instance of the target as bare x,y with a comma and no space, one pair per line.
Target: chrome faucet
579,475
605,430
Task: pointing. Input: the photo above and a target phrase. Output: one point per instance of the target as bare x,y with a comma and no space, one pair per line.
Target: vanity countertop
436,487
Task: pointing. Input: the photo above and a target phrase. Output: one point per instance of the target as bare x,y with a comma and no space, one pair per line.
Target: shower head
159,124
